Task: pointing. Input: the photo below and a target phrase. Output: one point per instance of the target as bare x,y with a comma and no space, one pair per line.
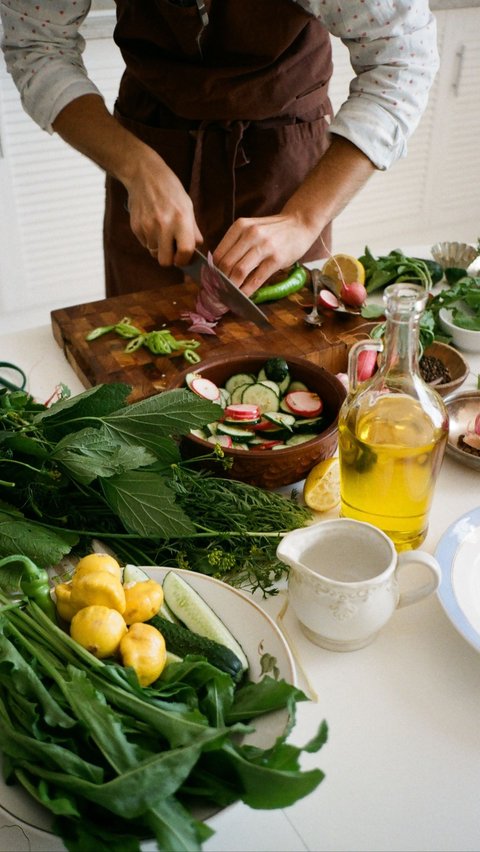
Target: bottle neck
401,342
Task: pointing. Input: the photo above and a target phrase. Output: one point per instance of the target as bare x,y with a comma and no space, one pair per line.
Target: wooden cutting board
104,359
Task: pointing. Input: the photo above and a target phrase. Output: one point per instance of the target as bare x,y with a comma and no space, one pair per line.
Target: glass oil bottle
393,429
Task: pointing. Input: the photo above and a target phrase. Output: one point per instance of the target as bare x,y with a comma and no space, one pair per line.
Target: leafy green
85,468
395,267
108,774
463,300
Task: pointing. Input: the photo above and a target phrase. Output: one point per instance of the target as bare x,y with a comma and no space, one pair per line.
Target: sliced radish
242,411
304,403
223,440
262,425
326,299
205,388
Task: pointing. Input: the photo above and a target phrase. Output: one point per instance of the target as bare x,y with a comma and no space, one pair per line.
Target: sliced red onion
209,308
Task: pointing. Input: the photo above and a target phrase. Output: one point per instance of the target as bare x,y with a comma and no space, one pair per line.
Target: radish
354,295
366,364
242,411
205,388
326,299
223,440
304,403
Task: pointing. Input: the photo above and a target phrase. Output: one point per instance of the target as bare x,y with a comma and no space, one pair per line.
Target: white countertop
402,761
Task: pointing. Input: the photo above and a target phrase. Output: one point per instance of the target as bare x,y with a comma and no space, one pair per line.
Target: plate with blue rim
458,553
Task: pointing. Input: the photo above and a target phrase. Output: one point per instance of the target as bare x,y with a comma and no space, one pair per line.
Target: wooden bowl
453,360
267,468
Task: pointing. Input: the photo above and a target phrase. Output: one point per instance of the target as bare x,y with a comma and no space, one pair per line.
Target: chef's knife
227,292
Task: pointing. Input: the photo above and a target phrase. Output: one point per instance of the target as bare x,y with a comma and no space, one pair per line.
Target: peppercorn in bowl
443,367
279,416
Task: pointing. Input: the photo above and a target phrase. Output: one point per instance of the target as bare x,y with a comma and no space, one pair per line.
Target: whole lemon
143,600
143,649
99,562
99,629
97,588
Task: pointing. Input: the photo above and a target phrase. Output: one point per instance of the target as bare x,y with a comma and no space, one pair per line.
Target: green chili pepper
272,292
135,343
125,328
97,332
34,583
191,356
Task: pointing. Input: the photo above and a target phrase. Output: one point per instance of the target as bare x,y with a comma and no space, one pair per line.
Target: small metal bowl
462,409
458,255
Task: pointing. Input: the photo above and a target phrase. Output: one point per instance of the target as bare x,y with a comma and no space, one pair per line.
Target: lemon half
344,269
321,490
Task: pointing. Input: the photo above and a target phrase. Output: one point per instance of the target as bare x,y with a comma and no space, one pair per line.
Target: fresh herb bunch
116,763
93,466
463,300
396,267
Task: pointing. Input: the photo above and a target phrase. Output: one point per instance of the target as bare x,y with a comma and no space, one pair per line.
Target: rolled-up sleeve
43,53
393,52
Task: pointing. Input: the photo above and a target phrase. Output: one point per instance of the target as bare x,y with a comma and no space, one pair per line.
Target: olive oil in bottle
392,430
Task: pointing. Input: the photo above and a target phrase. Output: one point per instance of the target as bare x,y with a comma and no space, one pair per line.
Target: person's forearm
161,212
339,175
87,126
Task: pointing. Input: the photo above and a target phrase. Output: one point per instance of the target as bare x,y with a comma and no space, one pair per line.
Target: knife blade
227,292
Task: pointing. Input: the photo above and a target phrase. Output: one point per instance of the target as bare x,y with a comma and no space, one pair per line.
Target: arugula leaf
91,453
43,546
145,505
167,414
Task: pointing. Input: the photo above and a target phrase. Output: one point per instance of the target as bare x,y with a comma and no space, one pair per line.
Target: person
222,134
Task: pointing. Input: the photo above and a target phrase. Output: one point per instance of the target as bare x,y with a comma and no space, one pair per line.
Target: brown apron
238,108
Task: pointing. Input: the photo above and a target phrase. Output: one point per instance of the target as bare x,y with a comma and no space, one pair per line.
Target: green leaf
91,453
170,413
77,412
145,505
43,546
22,678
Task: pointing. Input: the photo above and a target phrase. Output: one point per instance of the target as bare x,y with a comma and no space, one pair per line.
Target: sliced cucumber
269,384
212,427
301,439
224,397
236,433
261,395
281,418
236,395
199,433
306,424
296,386
134,574
198,616
239,379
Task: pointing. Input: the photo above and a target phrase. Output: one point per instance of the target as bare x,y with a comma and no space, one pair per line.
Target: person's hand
161,212
254,249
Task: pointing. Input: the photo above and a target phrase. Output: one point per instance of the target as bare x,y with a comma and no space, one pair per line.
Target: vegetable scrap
158,342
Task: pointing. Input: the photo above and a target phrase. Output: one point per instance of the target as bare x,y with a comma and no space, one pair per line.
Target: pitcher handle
419,557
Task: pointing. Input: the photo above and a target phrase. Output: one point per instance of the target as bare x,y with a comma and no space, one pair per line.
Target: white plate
257,634
458,553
